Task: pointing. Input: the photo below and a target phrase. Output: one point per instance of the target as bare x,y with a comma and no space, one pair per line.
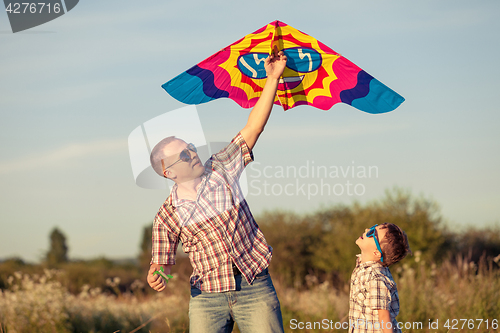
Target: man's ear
377,254
169,174
163,169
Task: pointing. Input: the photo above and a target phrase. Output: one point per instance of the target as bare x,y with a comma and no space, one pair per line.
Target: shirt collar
173,199
366,264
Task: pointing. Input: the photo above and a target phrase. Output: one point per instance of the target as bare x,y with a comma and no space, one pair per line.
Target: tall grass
41,304
456,289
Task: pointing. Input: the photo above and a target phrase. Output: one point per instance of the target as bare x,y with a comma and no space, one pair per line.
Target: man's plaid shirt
372,288
217,229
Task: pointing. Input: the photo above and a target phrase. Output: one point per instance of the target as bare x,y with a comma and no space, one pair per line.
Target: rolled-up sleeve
235,156
246,153
164,243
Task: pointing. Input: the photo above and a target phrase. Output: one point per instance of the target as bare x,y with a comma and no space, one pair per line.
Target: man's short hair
157,154
395,244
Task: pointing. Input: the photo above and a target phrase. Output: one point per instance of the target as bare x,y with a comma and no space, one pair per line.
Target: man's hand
156,281
275,64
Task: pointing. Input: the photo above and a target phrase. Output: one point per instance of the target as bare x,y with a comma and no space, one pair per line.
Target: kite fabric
314,75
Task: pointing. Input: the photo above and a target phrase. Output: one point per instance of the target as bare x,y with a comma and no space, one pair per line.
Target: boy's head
388,238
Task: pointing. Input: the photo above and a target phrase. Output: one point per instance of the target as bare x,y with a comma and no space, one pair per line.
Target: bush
322,245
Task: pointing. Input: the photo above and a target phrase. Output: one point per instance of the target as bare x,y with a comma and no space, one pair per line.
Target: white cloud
61,156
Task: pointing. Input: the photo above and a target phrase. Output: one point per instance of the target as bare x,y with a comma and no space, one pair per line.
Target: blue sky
73,89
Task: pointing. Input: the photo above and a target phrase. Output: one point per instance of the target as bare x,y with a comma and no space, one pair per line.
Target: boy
374,301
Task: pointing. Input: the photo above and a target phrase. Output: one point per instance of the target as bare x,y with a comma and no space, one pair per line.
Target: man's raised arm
274,65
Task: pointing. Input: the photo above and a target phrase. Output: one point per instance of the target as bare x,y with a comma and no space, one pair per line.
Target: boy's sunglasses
184,156
373,233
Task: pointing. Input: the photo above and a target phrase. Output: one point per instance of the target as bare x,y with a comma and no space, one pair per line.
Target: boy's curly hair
395,244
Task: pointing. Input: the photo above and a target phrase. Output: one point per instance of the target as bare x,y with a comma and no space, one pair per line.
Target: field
461,290
450,284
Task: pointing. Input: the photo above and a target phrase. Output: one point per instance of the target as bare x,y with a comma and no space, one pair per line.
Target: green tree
58,252
322,244
417,216
292,238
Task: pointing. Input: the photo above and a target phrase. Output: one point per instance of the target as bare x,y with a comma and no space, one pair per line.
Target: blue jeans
254,307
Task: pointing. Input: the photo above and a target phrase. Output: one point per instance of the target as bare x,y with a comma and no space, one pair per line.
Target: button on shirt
217,229
372,288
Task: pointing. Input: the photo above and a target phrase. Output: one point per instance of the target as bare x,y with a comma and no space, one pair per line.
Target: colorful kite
314,75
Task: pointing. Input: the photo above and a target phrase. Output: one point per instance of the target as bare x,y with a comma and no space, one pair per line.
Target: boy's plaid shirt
217,229
372,288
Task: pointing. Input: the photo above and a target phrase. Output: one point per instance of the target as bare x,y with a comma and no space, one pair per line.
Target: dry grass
455,290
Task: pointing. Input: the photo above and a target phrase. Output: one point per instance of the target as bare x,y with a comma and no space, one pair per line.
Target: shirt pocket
361,297
219,200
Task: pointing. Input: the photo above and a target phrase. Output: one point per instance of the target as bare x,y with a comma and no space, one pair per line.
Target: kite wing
314,75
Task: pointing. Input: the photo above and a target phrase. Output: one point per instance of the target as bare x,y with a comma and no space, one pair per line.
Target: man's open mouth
289,83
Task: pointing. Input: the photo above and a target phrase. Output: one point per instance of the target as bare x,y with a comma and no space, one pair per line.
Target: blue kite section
302,59
370,95
360,90
380,99
194,86
257,69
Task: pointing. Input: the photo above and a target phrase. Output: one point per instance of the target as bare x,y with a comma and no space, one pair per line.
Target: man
208,214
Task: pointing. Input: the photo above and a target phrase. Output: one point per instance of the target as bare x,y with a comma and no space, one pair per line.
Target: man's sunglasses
373,233
184,156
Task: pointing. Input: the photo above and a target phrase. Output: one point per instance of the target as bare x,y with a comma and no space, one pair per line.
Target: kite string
279,100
